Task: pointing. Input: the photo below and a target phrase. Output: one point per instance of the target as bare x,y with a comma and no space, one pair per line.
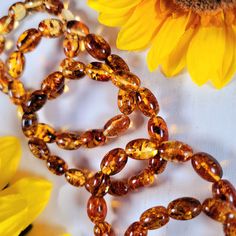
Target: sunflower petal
10,153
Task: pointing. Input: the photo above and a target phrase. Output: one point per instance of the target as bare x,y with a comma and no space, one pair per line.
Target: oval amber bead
45,133
93,138
56,165
16,64
185,208
97,47
34,5
114,161
17,10
103,229
175,151
75,177
225,191
230,229
126,80
4,84
39,148
68,140
17,92
116,63
147,102
157,164
71,45
116,125
2,43
53,6
136,229
154,218
51,28
126,101
118,188
96,209
207,167
6,24
77,27
141,149
219,210
29,124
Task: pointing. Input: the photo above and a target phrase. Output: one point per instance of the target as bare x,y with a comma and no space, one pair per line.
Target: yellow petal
10,153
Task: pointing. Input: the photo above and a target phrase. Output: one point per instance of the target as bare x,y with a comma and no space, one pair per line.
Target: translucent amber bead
116,125
118,188
230,229
75,177
97,47
4,84
77,27
154,217
72,69
141,149
175,151
103,229
29,124
147,102
56,165
18,11
126,80
34,5
45,133
6,24
98,185
116,63
157,164
2,43
17,92
51,28
219,210
96,209
53,6
71,45
126,101
114,161
93,138
16,64
207,167
68,140
53,85
39,148
136,229
225,191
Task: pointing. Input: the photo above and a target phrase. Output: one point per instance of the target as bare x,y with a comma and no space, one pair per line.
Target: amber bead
39,148
68,140
157,164
219,210
53,85
17,10
71,45
2,43
56,165
29,124
114,161
116,125
6,24
126,80
136,229
51,28
98,185
72,69
4,84
207,167
185,208
147,102
175,151
126,101
141,149
116,63
53,6
97,47
225,191
230,229
103,229
93,138
16,64
34,5
77,27
96,209
154,218
118,188
45,133
75,177
17,92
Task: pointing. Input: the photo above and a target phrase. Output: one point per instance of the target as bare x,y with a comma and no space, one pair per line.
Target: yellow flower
197,34
23,200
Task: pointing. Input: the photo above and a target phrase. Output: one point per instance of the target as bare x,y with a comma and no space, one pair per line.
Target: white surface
202,117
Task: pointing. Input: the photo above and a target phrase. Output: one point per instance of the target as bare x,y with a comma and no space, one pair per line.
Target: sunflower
197,34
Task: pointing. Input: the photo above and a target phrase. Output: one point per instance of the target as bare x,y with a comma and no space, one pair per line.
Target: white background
203,117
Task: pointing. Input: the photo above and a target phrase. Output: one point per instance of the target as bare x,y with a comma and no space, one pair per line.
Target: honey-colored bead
68,140
157,129
2,43
99,71
118,188
45,133
116,125
154,218
18,11
16,64
98,185
72,69
71,45
4,81
75,177
56,165
114,161
54,85
17,92
126,101
97,47
225,191
77,27
29,123
230,229
51,28
103,229
126,80
175,151
185,208
207,167
93,138
96,209
219,210
6,24
147,102
116,63
157,164
136,229
141,149
53,6
39,148
34,5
